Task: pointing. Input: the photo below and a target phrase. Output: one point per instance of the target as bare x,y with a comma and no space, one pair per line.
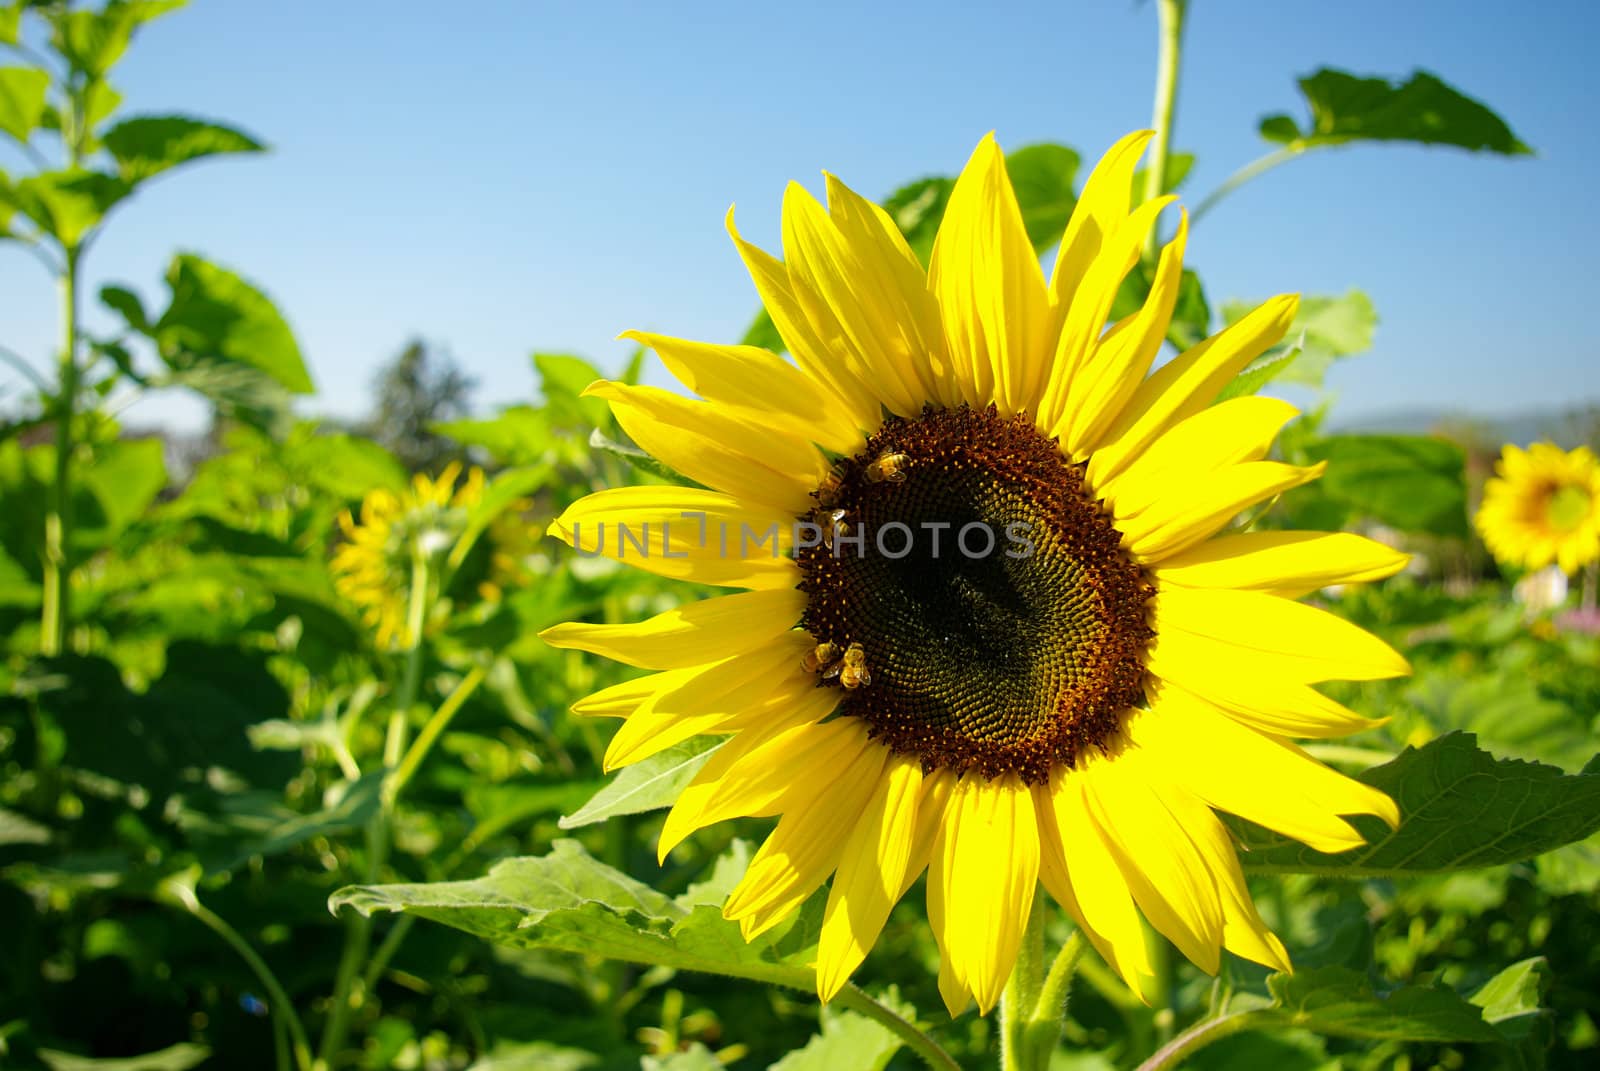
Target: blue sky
542,176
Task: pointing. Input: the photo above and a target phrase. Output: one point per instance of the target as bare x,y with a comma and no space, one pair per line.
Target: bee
888,467
853,668
831,521
828,490
820,657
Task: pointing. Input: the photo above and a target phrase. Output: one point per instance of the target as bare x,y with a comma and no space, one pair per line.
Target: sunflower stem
56,613
1155,178
1021,997
1195,1038
1042,1031
856,999
1255,168
1591,575
349,989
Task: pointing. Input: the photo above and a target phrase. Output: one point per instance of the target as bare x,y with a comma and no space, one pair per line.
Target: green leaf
148,145
125,478
563,379
917,208
1508,714
22,96
568,901
20,829
348,811
694,1058
1042,177
127,304
519,435
1259,373
1340,1002
1410,482
848,1040
1460,808
10,20
345,466
648,785
1423,109
637,458
1179,164
1510,1000
91,41
1325,329
179,1057
1191,313
217,316
763,332
65,204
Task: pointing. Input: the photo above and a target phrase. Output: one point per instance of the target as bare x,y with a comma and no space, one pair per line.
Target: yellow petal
1187,384
1086,317
750,378
705,442
683,533
850,312
1251,631
1244,933
1166,874
1264,780
691,633
1235,431
990,288
1263,702
1101,207
621,700
718,697
891,271
811,352
1118,363
1079,871
989,865
805,847
761,773
872,869
1285,563
1190,513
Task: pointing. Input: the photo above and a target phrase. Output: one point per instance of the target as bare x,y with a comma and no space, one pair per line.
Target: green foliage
1460,807
1346,108
208,746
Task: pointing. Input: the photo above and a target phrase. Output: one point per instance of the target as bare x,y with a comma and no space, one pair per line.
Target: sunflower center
1566,507
971,598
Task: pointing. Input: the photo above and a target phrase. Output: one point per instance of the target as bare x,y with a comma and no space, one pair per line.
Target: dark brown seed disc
1004,628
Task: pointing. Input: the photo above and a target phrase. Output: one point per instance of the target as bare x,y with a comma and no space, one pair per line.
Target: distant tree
422,386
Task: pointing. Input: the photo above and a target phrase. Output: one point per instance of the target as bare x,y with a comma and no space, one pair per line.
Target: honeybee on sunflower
1073,716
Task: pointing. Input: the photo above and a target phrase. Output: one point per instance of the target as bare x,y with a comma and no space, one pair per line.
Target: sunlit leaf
148,145
178,1057
65,204
1042,176
22,96
1411,482
20,829
1460,808
1340,1002
216,315
647,785
849,1040
519,435
567,900
1325,329
125,478
563,378
91,41
1423,109
1511,1002
346,466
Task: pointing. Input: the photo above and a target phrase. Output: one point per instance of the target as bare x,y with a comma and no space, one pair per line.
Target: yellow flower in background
1069,707
374,568
1543,506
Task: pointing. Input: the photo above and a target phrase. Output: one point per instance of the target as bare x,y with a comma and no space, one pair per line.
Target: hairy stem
1196,1037
1155,178
282,1007
1021,997
856,999
1249,171
57,611
1042,1030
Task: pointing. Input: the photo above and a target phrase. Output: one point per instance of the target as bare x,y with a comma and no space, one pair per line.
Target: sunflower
377,564
1069,666
1543,506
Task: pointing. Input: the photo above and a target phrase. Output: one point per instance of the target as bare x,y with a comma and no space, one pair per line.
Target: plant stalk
282,1007
1167,63
1253,169
358,936
856,999
1020,1000
1195,1038
57,610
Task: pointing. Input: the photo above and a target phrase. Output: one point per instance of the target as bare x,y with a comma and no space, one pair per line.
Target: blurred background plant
294,656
